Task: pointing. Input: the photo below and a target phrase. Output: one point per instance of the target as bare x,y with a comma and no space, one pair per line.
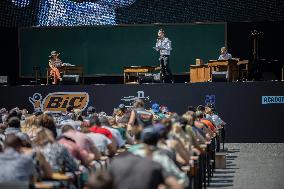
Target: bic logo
210,99
59,101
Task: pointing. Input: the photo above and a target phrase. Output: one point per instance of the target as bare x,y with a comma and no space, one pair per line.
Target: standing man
163,45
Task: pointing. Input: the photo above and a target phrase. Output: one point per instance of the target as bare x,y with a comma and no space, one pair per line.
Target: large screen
112,12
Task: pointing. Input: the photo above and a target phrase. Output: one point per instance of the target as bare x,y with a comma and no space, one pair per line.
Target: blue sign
272,99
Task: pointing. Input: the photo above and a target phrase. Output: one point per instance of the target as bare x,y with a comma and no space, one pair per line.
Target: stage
253,110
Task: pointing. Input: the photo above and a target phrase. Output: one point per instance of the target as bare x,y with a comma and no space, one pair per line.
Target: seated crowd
142,149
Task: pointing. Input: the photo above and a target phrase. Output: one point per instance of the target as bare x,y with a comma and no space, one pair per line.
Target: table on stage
137,71
203,73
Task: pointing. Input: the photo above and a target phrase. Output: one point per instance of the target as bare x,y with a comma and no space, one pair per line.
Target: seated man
224,54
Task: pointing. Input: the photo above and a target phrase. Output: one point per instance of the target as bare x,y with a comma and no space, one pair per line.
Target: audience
142,148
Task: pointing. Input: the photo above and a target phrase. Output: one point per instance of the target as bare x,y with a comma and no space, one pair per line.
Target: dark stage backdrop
250,115
106,50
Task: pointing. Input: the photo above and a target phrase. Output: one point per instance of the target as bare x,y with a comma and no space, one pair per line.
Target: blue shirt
226,56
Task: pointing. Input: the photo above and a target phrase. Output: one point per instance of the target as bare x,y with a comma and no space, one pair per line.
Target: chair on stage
36,75
65,72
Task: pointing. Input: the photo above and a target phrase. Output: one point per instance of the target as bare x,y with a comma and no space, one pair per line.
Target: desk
199,73
137,70
232,66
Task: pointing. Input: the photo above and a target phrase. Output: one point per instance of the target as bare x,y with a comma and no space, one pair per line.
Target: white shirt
101,141
164,46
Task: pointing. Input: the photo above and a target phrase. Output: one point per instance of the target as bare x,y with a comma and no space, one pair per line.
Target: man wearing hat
54,63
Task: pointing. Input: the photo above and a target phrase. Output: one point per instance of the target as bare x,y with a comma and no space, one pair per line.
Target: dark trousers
167,76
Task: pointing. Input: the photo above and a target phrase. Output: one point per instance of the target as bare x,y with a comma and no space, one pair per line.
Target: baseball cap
155,107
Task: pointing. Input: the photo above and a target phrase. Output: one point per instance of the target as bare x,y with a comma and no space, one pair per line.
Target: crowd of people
146,148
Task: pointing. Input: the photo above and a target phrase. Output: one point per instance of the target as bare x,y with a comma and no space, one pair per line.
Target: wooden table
199,73
231,66
137,70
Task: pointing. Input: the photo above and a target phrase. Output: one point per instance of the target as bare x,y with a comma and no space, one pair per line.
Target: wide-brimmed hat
53,53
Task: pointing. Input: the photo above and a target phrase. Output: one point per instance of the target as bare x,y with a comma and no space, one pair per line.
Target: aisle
252,165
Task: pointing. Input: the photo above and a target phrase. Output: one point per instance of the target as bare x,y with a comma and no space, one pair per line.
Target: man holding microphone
163,45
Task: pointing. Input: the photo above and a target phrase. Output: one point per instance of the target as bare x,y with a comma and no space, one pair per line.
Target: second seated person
224,54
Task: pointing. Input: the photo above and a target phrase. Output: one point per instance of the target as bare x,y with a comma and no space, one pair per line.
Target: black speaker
147,78
70,80
219,76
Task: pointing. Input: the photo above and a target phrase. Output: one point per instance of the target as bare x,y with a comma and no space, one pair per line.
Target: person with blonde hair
30,126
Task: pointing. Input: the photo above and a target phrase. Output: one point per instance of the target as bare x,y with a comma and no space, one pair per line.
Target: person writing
163,45
224,54
54,64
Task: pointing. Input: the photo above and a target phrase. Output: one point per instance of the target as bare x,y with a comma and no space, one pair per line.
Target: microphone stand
256,72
